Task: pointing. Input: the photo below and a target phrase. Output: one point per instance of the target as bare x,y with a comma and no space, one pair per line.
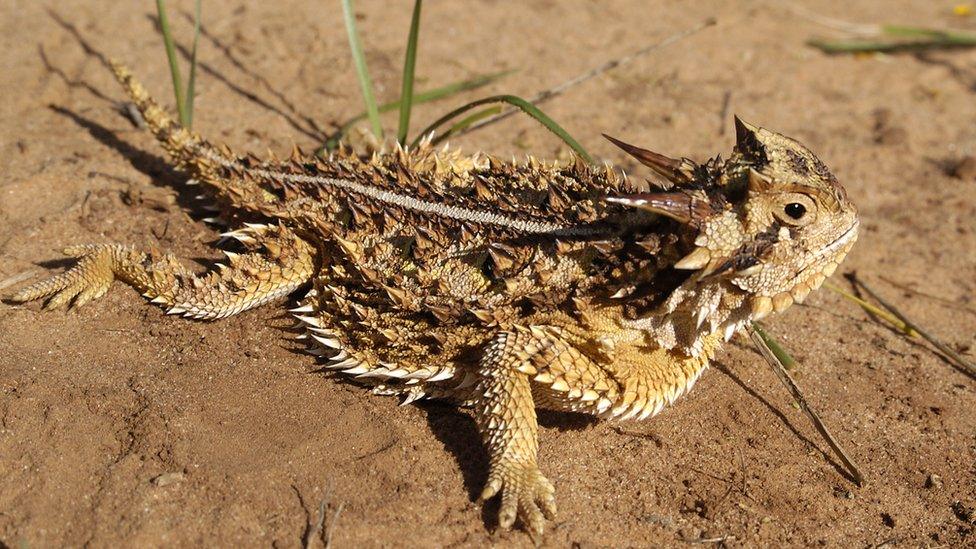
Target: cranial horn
747,142
758,182
672,169
743,130
681,206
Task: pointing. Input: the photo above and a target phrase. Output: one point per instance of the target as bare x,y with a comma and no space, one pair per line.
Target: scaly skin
505,287
252,279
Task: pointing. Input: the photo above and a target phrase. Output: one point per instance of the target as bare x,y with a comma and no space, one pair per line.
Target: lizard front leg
506,417
280,263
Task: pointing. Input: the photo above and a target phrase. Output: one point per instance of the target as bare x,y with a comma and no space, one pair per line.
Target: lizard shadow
153,166
784,420
454,428
56,263
458,433
162,174
159,171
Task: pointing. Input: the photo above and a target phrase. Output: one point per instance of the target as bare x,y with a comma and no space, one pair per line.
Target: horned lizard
501,286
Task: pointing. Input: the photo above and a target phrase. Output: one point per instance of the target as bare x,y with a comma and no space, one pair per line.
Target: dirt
122,426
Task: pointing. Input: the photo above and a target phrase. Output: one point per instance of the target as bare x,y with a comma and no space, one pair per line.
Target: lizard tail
189,151
216,167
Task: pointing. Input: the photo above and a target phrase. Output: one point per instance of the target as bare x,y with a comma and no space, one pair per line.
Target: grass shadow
76,34
311,131
240,65
783,419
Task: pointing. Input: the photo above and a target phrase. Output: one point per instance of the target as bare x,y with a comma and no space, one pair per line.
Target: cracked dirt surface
122,426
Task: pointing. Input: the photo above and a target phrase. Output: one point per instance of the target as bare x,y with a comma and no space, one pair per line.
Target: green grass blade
871,309
409,64
365,85
467,121
191,81
457,87
915,39
521,104
778,351
174,68
418,98
910,32
943,35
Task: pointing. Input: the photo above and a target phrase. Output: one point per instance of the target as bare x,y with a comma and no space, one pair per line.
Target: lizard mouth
811,278
839,247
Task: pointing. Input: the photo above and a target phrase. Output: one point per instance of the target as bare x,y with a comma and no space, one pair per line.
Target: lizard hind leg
278,265
506,416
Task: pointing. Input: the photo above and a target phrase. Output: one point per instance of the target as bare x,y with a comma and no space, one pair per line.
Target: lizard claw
88,279
526,494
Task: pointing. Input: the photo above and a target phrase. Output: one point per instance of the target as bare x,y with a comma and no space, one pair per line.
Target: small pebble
962,168
166,479
963,512
841,493
933,481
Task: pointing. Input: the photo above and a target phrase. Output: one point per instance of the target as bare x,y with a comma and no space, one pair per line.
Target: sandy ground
122,426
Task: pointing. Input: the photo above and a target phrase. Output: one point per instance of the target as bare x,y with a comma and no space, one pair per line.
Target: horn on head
747,141
680,206
674,170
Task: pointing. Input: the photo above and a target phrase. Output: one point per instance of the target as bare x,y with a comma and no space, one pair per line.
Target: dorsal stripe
410,203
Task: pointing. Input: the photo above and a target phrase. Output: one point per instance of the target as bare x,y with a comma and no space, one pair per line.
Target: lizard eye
795,210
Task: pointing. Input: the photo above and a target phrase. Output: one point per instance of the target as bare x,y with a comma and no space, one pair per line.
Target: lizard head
771,220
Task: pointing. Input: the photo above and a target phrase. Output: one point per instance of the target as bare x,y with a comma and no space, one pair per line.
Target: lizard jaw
763,305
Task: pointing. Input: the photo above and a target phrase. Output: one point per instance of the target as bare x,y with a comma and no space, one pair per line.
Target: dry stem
794,390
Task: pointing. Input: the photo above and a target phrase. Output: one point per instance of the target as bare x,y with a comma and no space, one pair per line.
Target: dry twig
20,277
546,95
968,367
332,525
794,390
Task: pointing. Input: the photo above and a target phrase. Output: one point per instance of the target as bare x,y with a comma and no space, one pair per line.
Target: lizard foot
526,494
88,279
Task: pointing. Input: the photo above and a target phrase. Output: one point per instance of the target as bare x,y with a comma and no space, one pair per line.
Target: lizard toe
526,495
88,279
